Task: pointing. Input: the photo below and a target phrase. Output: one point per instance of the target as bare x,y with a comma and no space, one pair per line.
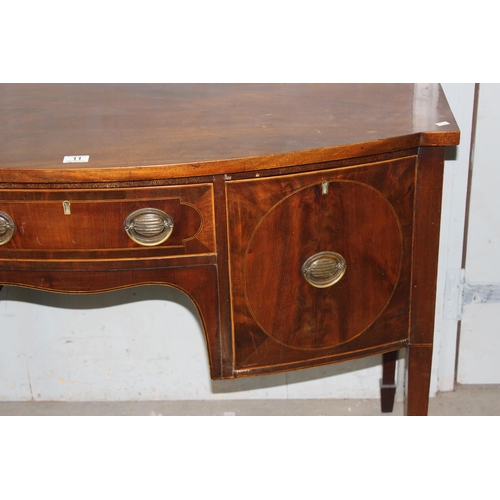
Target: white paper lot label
76,159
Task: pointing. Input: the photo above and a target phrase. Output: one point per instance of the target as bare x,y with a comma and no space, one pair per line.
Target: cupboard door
320,263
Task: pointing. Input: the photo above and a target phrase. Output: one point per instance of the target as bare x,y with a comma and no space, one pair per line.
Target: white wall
146,343
479,352
142,343
461,100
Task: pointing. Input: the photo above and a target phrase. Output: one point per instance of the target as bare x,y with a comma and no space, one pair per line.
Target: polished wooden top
178,130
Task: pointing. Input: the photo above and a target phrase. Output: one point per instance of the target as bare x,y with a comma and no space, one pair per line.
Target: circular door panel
349,236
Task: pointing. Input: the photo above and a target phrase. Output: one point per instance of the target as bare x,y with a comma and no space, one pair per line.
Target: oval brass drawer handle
149,226
324,269
7,228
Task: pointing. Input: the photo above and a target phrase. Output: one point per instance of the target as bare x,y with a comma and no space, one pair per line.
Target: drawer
112,223
320,264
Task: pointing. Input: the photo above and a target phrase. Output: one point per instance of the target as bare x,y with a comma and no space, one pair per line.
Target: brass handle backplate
149,226
324,269
7,228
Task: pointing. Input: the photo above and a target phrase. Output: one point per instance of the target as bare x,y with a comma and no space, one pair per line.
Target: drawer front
116,223
320,263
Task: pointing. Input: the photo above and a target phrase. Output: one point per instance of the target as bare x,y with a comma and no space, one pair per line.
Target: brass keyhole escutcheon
324,269
66,207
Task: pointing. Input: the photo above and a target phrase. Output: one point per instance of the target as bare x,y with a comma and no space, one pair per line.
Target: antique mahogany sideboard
301,219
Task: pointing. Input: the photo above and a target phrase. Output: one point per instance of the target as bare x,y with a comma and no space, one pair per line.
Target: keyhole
66,207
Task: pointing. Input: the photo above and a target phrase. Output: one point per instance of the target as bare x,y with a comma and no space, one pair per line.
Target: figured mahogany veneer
94,226
366,216
258,181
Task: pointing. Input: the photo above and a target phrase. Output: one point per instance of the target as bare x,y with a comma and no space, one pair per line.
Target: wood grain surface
179,130
276,224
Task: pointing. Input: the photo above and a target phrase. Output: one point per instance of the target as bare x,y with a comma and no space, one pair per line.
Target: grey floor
466,400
